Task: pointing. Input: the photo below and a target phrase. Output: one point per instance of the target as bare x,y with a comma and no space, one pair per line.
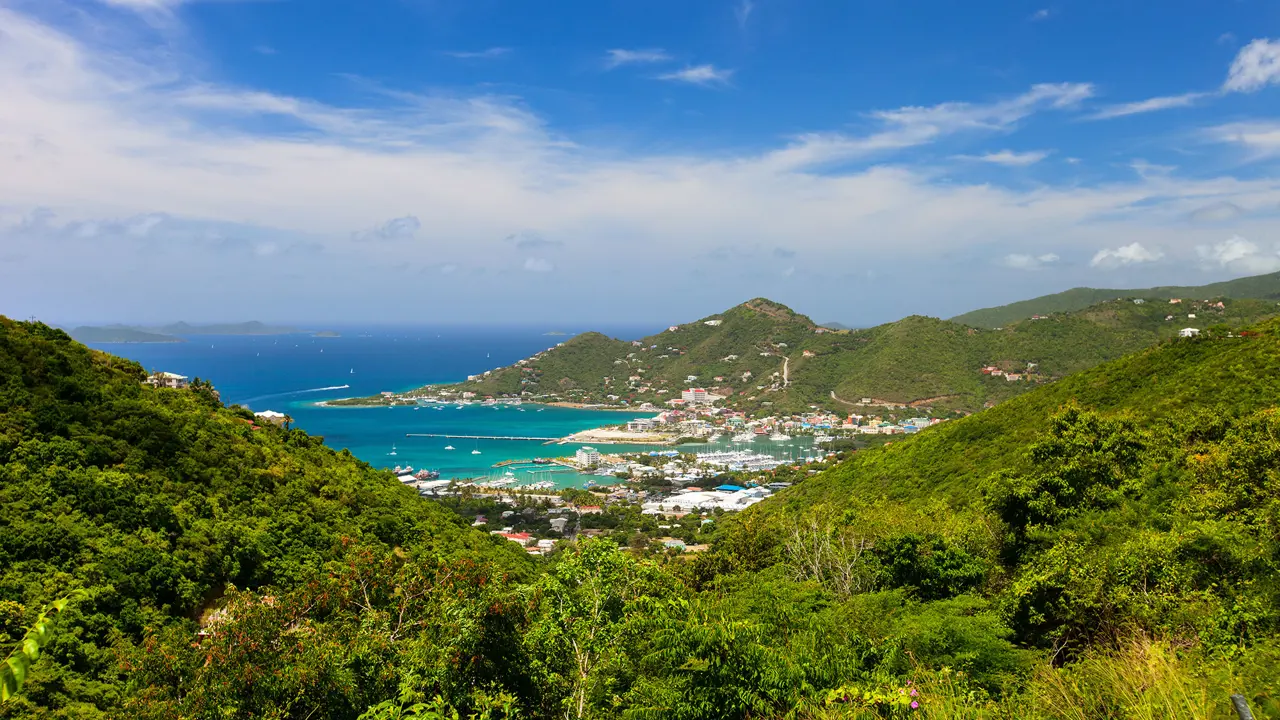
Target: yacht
744,437
448,447
393,450
475,452
779,437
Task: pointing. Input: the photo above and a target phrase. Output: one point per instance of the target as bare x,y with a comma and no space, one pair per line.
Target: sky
616,161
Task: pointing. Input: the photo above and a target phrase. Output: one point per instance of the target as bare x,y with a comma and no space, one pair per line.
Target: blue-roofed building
730,488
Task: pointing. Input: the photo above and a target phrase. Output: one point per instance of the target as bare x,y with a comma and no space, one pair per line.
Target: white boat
353,371
448,447
475,452
779,437
713,438
393,450
744,437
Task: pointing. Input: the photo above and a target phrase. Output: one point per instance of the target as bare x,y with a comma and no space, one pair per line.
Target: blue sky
619,161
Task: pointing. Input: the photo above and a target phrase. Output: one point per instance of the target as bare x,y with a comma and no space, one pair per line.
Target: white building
1188,332
587,456
271,416
167,380
694,396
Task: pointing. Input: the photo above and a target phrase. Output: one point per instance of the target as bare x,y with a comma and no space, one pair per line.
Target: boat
713,438
779,437
744,437
393,450
475,452
353,371
541,461
448,447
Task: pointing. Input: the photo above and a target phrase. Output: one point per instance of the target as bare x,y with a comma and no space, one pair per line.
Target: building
1188,332
272,416
168,380
694,396
641,425
712,323
587,456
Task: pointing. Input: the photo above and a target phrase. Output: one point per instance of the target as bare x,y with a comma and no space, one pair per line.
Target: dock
484,437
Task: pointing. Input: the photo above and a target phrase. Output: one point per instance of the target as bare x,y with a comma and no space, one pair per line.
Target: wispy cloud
1041,14
699,75
742,12
619,57
538,265
1154,104
1131,254
1258,139
1008,157
264,50
915,126
486,54
401,228
1256,66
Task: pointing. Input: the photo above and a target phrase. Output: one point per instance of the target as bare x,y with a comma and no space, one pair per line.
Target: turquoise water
293,373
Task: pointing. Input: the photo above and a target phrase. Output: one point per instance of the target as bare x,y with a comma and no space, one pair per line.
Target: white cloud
99,135
1041,14
1009,157
486,54
1258,139
742,12
1239,255
619,57
538,265
1131,254
699,75
914,126
144,4
1029,262
1149,105
1256,66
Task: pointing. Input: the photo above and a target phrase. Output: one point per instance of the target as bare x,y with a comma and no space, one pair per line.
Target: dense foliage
155,503
1102,547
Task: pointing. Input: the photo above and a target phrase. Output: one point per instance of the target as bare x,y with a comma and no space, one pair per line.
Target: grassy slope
951,459
1257,287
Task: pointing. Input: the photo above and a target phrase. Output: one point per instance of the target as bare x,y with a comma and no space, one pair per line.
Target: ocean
292,373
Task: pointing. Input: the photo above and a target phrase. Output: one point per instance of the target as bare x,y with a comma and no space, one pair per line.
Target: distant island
327,334
555,333
119,334
172,332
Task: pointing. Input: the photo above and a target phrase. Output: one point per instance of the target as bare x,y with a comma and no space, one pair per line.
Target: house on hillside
167,380
1188,332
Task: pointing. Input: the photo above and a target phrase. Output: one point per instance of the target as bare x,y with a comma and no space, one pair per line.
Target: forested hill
762,356
156,503
1258,287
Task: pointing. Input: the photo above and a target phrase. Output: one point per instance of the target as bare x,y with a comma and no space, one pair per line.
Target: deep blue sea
292,373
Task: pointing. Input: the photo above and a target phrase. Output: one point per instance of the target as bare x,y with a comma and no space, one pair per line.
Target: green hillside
1259,287
743,353
156,503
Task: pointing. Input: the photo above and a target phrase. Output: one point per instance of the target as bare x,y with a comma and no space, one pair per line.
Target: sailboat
477,450
393,449
353,371
448,447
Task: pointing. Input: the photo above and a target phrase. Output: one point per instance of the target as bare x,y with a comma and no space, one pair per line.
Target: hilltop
1259,287
763,356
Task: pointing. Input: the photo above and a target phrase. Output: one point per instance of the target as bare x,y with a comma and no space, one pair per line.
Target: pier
484,437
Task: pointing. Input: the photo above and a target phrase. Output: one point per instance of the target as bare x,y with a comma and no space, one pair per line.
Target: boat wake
294,392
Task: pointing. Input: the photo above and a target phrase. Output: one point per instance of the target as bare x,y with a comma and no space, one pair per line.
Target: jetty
484,437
